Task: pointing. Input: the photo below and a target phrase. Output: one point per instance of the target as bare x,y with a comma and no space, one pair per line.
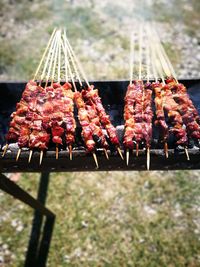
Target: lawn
111,219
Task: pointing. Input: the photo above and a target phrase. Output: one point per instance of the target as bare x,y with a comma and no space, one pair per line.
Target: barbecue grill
112,94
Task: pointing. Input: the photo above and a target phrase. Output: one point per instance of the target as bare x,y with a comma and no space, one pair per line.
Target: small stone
66,258
13,257
7,252
5,246
198,56
158,200
14,223
84,224
147,185
19,228
1,259
149,210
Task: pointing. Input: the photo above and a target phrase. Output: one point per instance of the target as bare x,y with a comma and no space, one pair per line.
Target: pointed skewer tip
106,153
137,150
70,152
120,153
166,150
187,154
56,151
95,159
148,158
127,157
30,156
41,156
4,151
18,154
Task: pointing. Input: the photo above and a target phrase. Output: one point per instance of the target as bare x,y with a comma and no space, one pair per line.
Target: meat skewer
186,108
94,117
93,101
88,126
159,97
171,106
19,121
138,112
148,113
22,108
83,116
25,128
93,95
40,136
128,109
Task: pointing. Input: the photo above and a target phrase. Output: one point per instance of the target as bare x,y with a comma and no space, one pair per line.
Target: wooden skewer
41,156
148,74
151,53
140,52
187,154
49,55
75,88
30,156
132,44
168,70
148,158
106,153
95,159
76,60
43,56
70,152
156,68
120,153
5,149
56,151
67,65
148,58
167,65
72,58
160,55
18,154
55,59
166,150
137,149
59,57
77,68
54,50
127,157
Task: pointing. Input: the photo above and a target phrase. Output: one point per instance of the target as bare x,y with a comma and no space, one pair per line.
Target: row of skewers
175,114
45,113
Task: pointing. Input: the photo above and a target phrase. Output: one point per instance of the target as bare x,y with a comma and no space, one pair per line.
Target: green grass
7,55
115,219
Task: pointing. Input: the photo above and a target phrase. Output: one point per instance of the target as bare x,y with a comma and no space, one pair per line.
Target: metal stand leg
38,250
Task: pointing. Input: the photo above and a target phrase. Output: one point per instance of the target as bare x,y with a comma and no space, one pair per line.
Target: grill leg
37,251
